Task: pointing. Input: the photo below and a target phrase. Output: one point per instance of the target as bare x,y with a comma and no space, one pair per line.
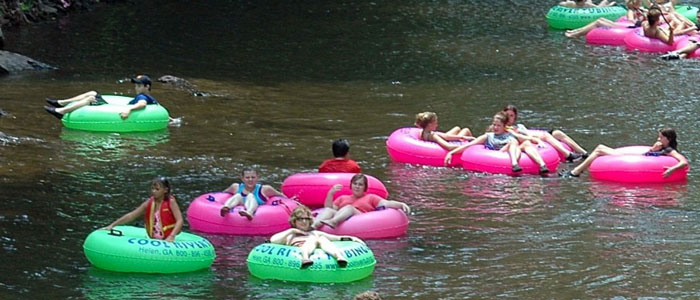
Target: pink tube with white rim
311,189
405,145
634,167
378,224
203,215
481,159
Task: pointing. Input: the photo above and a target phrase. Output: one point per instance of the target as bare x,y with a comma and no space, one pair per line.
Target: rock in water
12,63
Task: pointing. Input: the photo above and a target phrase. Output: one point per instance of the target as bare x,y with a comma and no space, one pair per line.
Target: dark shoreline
18,12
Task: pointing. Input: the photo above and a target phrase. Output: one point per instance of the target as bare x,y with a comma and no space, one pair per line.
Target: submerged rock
183,84
12,63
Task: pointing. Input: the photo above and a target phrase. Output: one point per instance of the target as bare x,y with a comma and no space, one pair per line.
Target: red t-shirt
339,165
366,203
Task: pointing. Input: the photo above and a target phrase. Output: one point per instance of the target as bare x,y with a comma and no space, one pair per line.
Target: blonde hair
300,212
425,118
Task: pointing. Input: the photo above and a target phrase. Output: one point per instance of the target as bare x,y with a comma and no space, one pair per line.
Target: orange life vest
167,219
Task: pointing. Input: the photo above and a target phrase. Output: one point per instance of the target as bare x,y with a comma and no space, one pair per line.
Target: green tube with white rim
106,117
281,262
129,249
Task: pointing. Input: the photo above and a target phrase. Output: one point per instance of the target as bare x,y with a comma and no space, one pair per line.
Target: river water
291,78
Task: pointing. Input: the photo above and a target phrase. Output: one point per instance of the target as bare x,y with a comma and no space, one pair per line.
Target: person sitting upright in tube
302,235
250,193
343,207
162,215
341,161
428,121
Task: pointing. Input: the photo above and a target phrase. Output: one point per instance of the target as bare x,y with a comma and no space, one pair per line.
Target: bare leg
600,22
251,204
326,214
331,249
556,144
79,104
88,95
234,201
600,150
532,152
560,135
465,132
514,152
310,243
230,203
453,131
342,214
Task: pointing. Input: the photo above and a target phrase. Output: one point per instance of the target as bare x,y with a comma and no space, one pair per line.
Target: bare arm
130,216
479,140
333,237
329,197
269,191
175,209
395,204
232,189
682,162
139,105
282,238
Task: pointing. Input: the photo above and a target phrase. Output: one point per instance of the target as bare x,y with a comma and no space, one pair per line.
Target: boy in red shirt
341,162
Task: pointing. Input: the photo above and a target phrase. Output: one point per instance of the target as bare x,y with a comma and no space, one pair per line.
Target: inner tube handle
115,232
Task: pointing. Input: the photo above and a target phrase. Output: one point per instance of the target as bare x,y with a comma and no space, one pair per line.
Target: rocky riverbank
18,12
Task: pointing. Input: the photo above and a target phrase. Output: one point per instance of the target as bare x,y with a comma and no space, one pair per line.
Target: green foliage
26,5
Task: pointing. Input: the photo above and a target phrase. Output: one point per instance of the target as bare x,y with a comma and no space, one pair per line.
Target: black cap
142,79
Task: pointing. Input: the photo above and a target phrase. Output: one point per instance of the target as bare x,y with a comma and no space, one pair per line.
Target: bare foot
306,263
244,213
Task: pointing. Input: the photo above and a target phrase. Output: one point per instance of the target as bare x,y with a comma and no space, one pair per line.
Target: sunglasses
304,219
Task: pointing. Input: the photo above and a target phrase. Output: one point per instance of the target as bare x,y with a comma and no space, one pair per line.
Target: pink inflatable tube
481,159
683,43
378,224
566,146
613,36
311,189
634,167
271,217
404,145
636,40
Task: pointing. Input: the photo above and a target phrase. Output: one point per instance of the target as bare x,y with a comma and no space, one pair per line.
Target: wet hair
248,169
164,182
299,212
670,134
512,108
653,14
501,116
425,118
340,147
359,176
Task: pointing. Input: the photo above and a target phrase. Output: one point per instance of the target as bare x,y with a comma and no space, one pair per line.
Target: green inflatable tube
129,249
272,261
561,17
690,12
106,117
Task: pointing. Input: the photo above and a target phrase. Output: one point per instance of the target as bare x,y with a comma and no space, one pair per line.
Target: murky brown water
294,77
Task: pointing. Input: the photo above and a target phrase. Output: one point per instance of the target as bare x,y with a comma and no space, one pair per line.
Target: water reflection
622,194
110,146
100,284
